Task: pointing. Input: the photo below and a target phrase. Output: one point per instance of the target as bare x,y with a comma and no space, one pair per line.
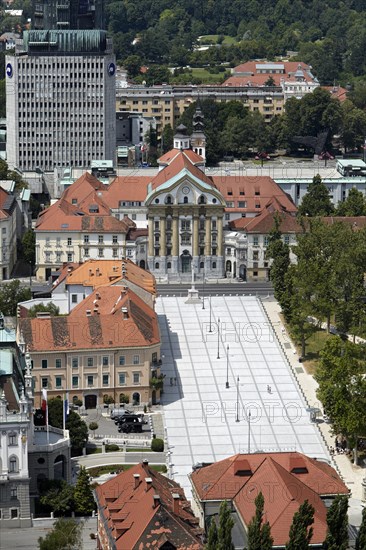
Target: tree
83,495
29,247
212,538
354,205
301,531
280,254
167,139
226,524
132,64
51,308
76,426
66,535
259,533
10,295
316,202
337,520
93,426
361,535
58,496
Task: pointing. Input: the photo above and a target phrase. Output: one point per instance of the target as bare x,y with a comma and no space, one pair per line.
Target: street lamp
227,366
249,415
237,400
218,338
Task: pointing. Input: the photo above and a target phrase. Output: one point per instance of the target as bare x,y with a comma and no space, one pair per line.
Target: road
217,289
102,459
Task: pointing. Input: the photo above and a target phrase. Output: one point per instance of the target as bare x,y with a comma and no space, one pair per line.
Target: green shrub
123,398
157,445
111,448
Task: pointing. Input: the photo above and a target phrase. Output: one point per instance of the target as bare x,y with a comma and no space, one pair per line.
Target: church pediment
185,189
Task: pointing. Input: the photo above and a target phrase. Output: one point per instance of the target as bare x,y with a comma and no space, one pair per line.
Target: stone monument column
175,244
150,254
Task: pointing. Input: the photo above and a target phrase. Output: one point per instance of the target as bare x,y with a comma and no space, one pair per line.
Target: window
255,273
58,256
13,493
256,255
122,360
86,252
136,359
255,241
58,363
58,380
287,239
13,464
100,253
228,251
86,239
44,382
75,381
100,239
14,513
13,439
44,363
136,377
105,379
115,253
227,216
105,361
69,257
90,362
122,378
115,239
69,241
242,204
75,362
74,298
90,379
186,225
266,240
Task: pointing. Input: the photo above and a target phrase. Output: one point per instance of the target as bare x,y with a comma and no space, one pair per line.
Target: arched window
75,399
169,200
213,265
157,265
202,265
13,464
185,200
202,200
12,439
169,265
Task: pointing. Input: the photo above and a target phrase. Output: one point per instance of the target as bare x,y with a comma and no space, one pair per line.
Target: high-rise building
60,90
68,14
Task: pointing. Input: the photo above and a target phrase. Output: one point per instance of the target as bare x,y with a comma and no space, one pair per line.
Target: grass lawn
206,76
213,38
313,347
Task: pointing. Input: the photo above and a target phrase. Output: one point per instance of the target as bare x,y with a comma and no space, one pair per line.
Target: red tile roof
126,188
173,153
254,190
137,520
337,92
265,221
255,78
86,328
179,162
63,216
285,479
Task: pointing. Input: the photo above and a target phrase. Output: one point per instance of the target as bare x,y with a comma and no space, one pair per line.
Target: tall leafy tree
259,532
10,295
212,538
226,524
66,535
337,520
317,201
301,531
83,495
58,496
76,426
354,205
280,254
361,535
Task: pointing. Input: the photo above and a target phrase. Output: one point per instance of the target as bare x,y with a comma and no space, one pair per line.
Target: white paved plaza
200,412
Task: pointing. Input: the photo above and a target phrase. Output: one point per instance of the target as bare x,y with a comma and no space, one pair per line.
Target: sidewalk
352,475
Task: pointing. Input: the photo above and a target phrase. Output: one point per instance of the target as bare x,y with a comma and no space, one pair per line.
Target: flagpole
48,431
63,413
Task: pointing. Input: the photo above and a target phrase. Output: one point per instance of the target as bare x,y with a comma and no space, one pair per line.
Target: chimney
90,272
156,501
145,462
125,313
88,312
176,507
97,271
136,478
148,481
69,269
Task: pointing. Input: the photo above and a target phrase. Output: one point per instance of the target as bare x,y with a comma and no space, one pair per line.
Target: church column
151,236
220,243
175,244
150,254
163,236
195,240
208,236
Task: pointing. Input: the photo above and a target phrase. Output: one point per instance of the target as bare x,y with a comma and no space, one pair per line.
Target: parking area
261,410
107,427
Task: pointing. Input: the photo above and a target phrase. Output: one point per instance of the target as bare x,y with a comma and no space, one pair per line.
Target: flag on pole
44,400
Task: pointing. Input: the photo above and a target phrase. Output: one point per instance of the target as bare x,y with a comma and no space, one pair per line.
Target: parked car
130,423
117,413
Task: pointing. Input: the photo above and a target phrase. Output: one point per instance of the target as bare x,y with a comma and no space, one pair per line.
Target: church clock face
185,190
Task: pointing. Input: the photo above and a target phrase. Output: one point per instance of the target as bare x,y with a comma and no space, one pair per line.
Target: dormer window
202,200
185,200
169,200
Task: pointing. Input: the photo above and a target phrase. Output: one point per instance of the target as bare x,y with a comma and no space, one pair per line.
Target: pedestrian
269,389
171,381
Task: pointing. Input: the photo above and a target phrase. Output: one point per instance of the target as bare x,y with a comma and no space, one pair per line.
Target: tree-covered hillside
331,35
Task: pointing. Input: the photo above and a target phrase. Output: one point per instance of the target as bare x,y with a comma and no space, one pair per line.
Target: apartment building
108,346
9,233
